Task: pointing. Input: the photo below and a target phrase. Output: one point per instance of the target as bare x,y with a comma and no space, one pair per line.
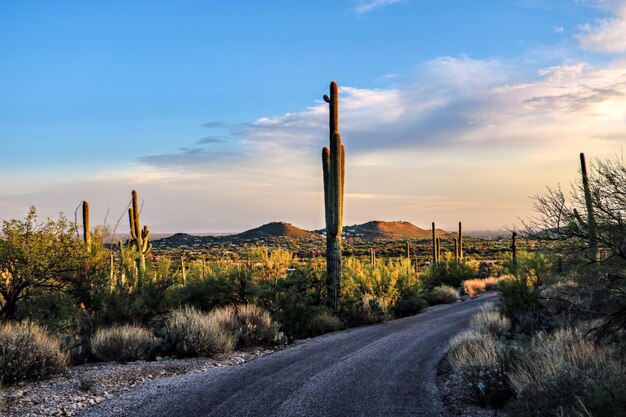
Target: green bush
450,272
190,332
28,352
565,374
325,322
408,306
123,344
443,294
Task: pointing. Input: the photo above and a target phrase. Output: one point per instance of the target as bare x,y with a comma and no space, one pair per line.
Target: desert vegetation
554,344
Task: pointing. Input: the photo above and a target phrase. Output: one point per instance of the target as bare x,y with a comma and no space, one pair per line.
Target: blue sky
212,108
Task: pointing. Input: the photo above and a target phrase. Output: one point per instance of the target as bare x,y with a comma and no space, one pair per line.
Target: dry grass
444,294
473,287
194,333
324,322
565,373
255,326
490,321
123,344
27,351
473,348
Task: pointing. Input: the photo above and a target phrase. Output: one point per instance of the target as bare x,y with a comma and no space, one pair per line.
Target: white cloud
606,35
366,6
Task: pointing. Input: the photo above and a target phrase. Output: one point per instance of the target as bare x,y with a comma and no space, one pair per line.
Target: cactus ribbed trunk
333,165
435,253
86,225
438,249
372,256
408,250
139,236
460,251
456,249
591,220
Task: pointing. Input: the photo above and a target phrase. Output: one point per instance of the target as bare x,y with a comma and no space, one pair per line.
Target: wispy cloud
366,6
606,35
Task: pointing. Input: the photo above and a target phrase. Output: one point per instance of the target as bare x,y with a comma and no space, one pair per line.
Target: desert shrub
325,322
449,271
190,332
28,352
251,325
473,287
480,363
123,344
490,321
410,305
443,294
368,310
565,374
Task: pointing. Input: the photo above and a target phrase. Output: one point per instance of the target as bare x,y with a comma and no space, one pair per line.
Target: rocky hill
389,230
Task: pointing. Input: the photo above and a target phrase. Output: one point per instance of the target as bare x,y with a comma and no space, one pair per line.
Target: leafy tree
36,256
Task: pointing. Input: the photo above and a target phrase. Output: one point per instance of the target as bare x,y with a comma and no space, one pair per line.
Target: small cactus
138,236
456,249
460,237
514,245
435,252
86,225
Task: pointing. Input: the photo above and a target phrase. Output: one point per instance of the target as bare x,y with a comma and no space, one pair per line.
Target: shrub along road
383,370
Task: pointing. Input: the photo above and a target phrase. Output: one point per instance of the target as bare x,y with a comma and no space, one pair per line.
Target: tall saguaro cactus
139,237
86,225
591,220
460,251
333,165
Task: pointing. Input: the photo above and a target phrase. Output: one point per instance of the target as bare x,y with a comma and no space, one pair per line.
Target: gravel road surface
383,370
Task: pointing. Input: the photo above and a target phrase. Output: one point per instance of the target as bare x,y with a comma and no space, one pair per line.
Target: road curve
383,370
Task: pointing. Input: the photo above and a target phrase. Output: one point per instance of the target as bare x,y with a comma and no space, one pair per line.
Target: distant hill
276,229
390,230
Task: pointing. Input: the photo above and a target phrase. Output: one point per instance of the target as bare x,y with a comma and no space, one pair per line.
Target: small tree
36,257
587,229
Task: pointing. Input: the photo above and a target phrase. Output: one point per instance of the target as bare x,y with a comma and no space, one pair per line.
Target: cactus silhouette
333,165
514,245
435,252
86,225
138,236
460,250
591,221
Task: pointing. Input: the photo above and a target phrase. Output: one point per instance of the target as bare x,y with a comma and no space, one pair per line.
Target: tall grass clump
193,333
491,322
123,344
28,352
478,360
249,324
566,374
473,287
443,294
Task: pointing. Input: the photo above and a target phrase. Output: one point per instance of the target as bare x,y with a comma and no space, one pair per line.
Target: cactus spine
591,221
333,165
86,225
435,252
139,237
460,250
